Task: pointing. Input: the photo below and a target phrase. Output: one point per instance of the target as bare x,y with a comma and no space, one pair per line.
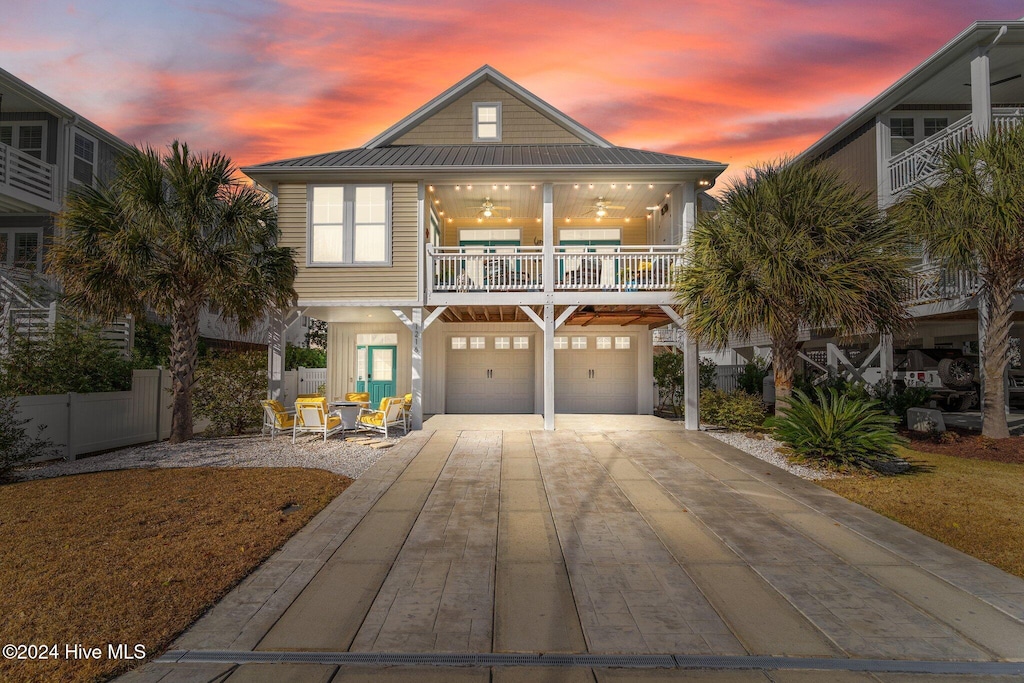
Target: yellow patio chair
276,417
311,415
387,417
407,411
359,397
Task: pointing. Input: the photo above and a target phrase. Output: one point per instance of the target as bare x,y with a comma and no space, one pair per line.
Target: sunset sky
737,81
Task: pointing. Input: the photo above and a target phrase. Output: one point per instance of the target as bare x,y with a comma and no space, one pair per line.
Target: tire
956,373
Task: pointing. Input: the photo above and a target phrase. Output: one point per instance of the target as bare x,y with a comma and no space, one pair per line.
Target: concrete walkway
640,542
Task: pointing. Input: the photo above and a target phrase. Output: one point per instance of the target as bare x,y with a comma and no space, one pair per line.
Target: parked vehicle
951,375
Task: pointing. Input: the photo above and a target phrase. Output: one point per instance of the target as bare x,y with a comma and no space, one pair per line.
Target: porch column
417,368
981,92
276,332
548,267
549,366
885,358
691,370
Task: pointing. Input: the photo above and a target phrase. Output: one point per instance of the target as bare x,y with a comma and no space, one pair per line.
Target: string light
494,187
469,187
629,186
533,187
591,186
568,220
430,187
613,186
509,219
627,220
437,201
458,187
650,186
506,187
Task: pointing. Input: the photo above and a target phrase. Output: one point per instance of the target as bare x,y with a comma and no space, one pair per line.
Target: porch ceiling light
487,213
601,213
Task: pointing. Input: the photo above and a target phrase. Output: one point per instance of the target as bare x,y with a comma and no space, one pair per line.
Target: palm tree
792,246
971,218
173,233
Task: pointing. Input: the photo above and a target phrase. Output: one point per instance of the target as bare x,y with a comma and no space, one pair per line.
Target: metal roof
477,156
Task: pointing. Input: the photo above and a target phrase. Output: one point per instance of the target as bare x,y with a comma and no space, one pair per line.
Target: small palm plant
837,432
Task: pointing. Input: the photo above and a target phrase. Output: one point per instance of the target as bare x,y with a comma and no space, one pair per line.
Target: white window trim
11,232
72,157
476,122
348,226
15,125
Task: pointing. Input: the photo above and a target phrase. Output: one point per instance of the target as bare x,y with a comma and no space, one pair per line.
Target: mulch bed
962,443
135,556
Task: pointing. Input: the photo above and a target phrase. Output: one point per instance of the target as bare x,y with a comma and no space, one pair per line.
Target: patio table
348,411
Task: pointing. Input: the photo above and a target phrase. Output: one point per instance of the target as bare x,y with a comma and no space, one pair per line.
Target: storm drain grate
594,660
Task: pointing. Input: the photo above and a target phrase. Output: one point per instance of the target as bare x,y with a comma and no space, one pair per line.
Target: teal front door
380,372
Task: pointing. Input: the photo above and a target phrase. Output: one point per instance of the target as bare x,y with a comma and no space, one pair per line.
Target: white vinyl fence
301,381
86,423
727,377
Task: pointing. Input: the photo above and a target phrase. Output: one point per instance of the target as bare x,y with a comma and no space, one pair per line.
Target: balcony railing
932,284
26,177
918,163
576,268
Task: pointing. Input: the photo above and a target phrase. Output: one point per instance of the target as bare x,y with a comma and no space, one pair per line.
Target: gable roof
485,73
978,33
483,157
19,89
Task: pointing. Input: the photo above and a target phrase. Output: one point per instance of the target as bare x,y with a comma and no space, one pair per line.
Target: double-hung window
29,138
487,122
901,134
83,167
349,225
21,248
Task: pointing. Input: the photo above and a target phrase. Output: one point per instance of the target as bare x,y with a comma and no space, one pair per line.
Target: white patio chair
311,415
391,414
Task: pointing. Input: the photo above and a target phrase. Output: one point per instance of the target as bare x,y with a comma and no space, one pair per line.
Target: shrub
736,411
836,431
299,356
897,403
16,444
72,357
668,373
228,389
751,380
708,372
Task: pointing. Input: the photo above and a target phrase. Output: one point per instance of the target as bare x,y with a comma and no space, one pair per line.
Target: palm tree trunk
183,356
784,357
995,348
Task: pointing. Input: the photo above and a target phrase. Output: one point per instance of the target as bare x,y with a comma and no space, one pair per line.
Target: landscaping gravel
334,455
767,449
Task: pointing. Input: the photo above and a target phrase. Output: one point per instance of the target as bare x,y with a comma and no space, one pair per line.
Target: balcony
921,162
26,183
931,284
516,274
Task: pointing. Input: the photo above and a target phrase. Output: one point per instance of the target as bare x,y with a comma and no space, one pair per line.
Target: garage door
489,374
595,374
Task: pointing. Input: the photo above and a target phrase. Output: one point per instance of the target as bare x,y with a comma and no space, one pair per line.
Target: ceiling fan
601,207
488,208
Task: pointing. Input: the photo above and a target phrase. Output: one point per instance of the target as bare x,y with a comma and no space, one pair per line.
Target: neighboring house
46,151
489,254
972,85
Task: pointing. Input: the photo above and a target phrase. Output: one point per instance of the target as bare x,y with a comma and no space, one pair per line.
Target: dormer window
487,122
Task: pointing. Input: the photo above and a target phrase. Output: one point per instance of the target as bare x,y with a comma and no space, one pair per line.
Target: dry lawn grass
135,556
972,505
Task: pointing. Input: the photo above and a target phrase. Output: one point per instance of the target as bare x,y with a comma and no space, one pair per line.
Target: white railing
616,268
918,163
486,269
576,268
931,284
23,172
668,336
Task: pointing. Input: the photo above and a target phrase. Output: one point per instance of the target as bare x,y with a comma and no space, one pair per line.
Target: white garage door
595,374
489,374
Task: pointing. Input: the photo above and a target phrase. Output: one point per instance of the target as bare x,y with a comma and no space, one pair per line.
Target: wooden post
549,366
981,93
276,332
886,361
417,368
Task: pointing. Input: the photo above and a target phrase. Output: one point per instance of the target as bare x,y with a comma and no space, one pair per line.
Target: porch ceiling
584,316
571,200
952,84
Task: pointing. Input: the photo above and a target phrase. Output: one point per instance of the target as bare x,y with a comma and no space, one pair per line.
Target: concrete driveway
644,553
